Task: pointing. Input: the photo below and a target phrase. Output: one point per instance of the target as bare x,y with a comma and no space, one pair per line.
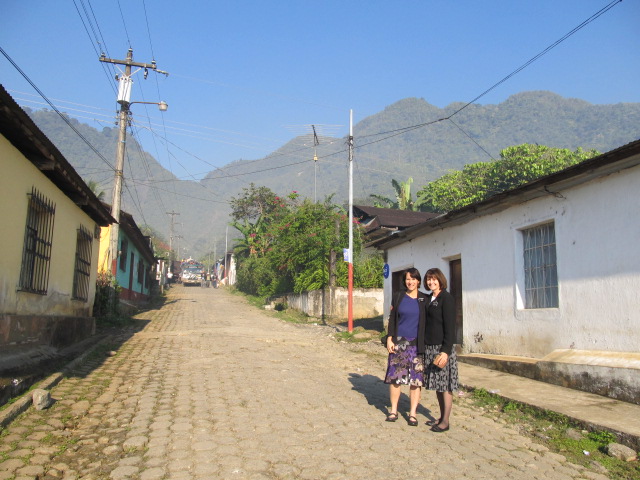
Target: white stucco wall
597,227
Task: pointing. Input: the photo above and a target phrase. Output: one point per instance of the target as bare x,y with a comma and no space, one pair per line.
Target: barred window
82,272
38,237
540,269
124,246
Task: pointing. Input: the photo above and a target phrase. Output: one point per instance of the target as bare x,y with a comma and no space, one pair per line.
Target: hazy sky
247,76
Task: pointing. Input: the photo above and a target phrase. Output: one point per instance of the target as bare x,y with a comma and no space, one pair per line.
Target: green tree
517,165
403,201
254,202
95,188
287,246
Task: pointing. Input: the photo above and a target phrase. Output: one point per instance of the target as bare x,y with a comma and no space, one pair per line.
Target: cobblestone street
213,388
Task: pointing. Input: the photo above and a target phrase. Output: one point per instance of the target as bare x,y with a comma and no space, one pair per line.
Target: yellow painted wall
16,181
104,265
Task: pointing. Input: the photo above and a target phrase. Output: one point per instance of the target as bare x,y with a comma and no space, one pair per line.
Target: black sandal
413,421
392,417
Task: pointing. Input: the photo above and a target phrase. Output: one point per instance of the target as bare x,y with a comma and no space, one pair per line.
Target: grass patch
114,321
552,430
66,444
352,337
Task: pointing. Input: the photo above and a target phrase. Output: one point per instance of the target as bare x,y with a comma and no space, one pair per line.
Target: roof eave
627,156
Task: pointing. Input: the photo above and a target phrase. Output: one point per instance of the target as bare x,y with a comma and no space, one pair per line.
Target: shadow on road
377,394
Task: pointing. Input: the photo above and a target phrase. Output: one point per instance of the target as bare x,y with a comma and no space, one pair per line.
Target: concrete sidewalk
593,411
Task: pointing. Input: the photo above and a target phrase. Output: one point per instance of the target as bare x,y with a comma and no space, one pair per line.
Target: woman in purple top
405,344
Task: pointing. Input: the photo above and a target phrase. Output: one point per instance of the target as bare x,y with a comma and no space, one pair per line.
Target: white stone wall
333,302
597,228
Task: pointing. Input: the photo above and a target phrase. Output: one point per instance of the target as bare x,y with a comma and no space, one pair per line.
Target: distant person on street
405,344
441,371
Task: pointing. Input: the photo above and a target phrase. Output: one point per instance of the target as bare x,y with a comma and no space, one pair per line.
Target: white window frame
545,281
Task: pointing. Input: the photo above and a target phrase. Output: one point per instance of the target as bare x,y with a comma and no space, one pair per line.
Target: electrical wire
543,52
392,133
472,139
593,17
146,18
66,120
105,68
124,24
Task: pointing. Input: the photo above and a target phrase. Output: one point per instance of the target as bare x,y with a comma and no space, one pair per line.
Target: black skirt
440,380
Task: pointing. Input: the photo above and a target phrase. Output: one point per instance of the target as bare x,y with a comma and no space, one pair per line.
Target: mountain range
410,138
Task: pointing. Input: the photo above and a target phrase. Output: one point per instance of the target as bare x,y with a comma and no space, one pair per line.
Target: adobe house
135,264
546,275
51,224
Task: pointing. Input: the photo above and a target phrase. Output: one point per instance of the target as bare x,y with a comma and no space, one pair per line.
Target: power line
66,120
504,79
146,17
124,24
472,139
95,35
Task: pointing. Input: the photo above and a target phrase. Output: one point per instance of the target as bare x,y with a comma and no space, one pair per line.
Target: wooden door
455,288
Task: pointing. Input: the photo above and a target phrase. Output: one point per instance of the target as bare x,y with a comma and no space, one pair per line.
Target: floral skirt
440,380
406,365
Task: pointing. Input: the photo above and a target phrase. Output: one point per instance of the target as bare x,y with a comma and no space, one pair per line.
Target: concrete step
610,374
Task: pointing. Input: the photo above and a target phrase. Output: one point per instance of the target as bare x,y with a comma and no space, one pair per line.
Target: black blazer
441,322
392,329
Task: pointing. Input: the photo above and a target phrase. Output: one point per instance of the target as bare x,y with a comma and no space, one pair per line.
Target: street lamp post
117,184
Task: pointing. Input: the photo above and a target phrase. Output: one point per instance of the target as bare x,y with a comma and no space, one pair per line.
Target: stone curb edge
628,439
25,401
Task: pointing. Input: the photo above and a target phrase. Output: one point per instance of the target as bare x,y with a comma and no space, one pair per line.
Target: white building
549,270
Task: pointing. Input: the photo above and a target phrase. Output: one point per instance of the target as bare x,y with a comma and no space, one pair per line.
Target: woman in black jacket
441,371
405,344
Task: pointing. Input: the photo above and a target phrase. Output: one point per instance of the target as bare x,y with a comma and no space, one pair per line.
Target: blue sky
247,76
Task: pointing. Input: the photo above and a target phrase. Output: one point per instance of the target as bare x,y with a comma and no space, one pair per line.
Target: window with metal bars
540,267
36,251
82,272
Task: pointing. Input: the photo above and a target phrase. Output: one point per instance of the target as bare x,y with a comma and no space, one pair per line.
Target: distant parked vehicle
192,272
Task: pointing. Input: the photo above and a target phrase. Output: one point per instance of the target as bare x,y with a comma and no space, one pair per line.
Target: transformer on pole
124,94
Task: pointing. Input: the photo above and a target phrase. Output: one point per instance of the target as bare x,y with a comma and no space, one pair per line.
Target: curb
624,438
23,402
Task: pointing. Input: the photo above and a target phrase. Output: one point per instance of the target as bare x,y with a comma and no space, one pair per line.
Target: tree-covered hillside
424,153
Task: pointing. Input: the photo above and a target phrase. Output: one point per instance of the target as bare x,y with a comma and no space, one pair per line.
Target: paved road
212,388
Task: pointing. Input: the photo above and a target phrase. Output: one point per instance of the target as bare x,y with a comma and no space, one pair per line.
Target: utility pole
316,142
124,93
226,247
350,304
173,214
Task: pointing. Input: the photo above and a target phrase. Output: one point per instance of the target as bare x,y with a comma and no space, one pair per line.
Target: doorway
455,288
397,283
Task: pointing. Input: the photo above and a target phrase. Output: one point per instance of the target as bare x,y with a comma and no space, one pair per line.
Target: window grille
38,237
124,247
82,272
540,267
